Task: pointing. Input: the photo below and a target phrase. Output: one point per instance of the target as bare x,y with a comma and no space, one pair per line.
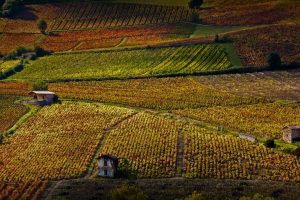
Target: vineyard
30,190
165,94
10,112
132,63
95,15
9,42
277,38
71,131
93,39
14,88
262,120
250,12
148,142
209,155
284,84
5,66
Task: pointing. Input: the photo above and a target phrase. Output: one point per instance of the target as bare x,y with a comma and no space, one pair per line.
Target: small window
105,162
105,172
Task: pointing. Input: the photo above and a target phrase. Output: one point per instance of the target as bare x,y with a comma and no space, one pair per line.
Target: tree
195,4
42,25
270,143
274,60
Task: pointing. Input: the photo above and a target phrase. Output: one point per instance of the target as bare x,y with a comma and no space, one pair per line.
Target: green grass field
133,63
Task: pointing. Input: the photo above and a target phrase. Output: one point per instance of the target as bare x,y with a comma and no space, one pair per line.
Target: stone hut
291,133
42,98
107,165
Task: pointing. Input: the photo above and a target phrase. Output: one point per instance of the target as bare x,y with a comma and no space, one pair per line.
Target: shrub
195,196
20,51
40,52
1,139
270,143
127,192
297,152
274,61
42,25
19,67
195,4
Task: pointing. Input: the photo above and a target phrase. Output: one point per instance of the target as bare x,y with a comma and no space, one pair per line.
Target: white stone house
107,165
291,134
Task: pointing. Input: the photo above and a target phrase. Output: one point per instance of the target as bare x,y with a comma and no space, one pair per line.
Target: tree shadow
25,13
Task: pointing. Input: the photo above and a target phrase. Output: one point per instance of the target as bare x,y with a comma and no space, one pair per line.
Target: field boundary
99,147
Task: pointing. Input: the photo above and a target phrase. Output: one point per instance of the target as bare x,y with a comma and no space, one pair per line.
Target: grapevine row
93,15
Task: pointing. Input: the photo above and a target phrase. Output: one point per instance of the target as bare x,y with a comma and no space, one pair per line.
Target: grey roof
42,92
108,156
292,127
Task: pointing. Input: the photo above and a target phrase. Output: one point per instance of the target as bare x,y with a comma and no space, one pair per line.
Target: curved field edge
11,113
133,63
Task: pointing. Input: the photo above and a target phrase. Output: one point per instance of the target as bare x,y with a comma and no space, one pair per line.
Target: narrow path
180,155
124,39
91,169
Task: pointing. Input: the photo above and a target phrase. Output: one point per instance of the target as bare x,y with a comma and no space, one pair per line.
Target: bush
195,4
297,152
40,52
195,196
270,143
274,61
42,25
19,67
129,192
1,139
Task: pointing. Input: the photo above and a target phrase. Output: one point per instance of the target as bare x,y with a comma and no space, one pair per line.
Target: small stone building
107,165
291,133
42,98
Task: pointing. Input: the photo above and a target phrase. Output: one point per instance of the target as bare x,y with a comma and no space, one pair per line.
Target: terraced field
10,112
23,190
133,63
71,131
95,15
271,85
14,88
130,36
209,155
261,120
148,142
165,93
